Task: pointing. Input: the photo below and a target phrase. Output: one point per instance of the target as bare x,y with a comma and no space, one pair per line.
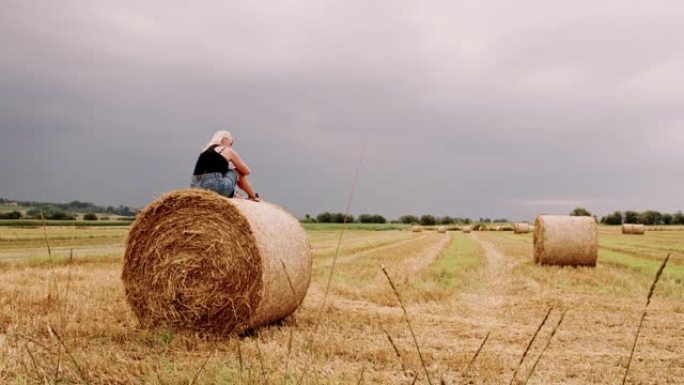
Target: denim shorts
223,184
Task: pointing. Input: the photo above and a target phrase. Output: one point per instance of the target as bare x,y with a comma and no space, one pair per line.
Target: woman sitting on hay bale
213,172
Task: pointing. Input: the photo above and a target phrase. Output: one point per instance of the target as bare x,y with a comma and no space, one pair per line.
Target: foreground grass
453,299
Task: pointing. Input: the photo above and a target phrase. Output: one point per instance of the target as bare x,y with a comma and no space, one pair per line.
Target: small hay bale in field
565,240
467,229
417,228
633,229
521,228
198,261
498,228
441,229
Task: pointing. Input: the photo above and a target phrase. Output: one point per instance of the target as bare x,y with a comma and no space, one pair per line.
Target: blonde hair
218,136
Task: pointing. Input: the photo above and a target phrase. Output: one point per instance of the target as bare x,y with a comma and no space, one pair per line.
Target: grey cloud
494,109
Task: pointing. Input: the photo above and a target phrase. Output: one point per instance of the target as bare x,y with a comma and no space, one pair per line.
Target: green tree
613,219
667,218
325,217
446,220
678,218
650,217
631,216
408,219
580,212
90,217
427,220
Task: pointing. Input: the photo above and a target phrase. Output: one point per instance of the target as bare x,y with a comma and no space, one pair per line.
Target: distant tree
90,217
666,218
408,219
650,217
61,215
371,218
325,217
678,218
467,221
342,218
427,220
631,217
11,215
580,212
446,220
613,219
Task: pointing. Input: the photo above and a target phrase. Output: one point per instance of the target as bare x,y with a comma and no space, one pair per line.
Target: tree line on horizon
409,219
64,211
647,217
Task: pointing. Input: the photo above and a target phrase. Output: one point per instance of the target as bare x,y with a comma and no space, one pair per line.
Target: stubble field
65,320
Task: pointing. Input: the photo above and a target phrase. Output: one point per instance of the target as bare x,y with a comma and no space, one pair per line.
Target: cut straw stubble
643,315
408,323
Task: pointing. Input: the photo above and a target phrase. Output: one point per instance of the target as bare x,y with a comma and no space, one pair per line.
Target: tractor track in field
412,263
346,258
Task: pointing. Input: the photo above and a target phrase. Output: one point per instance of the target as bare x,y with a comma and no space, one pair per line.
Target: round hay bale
467,229
565,240
441,229
417,228
521,228
198,261
628,228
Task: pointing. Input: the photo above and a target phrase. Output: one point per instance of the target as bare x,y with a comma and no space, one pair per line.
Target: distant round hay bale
441,229
521,228
467,229
417,228
198,261
499,228
628,228
565,240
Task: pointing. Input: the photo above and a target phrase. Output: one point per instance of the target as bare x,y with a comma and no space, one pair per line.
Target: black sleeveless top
211,161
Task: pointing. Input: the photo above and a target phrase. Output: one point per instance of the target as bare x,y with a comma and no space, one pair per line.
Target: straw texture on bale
565,240
633,229
417,229
467,229
521,228
196,260
441,229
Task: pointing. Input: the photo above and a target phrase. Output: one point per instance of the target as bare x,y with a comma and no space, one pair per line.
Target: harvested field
69,323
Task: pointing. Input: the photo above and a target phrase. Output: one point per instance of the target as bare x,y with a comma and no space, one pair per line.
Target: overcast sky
480,108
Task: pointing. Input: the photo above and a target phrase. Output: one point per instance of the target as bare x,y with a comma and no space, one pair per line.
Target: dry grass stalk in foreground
477,353
396,350
548,342
54,333
413,335
529,345
643,315
344,221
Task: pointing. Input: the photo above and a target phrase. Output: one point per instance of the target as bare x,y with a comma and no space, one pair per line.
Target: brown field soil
67,321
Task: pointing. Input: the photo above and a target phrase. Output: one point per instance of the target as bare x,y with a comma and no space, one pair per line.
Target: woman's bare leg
245,186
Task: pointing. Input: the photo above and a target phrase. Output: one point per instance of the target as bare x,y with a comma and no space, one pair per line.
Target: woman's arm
232,156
